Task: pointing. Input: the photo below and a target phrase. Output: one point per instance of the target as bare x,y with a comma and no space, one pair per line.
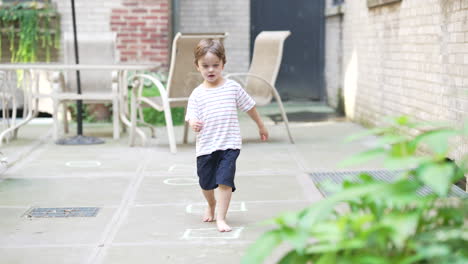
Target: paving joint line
29,152
48,246
309,189
116,222
203,203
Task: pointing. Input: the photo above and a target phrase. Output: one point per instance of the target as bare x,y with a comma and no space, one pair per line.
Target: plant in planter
377,222
29,32
93,113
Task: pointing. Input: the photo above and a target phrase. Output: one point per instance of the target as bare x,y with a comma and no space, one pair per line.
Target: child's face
211,67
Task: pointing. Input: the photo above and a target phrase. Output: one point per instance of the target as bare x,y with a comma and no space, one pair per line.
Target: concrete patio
149,202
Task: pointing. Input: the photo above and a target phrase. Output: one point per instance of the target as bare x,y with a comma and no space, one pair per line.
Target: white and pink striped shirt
217,109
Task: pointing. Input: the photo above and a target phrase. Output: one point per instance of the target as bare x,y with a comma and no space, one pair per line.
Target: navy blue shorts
216,168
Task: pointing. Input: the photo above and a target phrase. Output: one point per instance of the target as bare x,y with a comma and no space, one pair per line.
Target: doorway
301,74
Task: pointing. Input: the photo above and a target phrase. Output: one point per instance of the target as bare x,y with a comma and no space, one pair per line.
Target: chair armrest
138,93
259,99
58,82
137,82
115,82
227,76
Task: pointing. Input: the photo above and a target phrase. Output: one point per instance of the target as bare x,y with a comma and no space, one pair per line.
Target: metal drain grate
338,177
63,212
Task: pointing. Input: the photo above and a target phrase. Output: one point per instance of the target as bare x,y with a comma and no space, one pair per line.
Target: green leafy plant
377,222
31,30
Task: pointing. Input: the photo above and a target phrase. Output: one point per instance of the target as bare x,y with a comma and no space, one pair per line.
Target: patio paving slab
150,203
149,224
65,192
19,231
249,188
49,255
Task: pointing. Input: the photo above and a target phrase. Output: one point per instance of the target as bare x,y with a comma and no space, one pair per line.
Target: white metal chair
16,91
8,101
97,86
182,79
259,81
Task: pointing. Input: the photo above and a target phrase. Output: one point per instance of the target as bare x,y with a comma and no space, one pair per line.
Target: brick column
142,28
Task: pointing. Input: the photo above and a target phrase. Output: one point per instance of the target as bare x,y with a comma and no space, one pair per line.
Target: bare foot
209,214
223,226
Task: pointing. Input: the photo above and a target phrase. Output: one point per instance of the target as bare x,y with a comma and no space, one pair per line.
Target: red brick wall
142,28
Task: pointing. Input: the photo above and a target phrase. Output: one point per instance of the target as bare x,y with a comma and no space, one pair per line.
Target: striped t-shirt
216,108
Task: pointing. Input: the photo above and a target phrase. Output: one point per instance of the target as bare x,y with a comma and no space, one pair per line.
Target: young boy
212,113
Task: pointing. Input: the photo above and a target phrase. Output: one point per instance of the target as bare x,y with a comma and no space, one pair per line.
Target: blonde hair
209,45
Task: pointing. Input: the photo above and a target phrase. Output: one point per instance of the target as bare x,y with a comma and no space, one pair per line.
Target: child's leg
224,193
206,168
209,212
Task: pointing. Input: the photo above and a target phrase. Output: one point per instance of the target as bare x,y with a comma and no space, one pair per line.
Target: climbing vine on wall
29,32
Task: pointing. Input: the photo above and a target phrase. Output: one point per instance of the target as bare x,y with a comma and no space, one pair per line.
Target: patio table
32,95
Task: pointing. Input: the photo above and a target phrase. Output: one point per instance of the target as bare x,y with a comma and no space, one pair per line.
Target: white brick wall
92,18
137,30
221,16
407,58
195,16
91,15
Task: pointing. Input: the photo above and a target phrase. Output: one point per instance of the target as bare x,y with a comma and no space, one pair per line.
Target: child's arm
261,127
191,115
195,124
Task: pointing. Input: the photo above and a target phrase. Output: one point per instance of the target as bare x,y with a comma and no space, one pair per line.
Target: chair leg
123,128
7,118
283,114
170,129
133,125
186,126
124,112
25,111
153,131
4,114
142,121
56,130
6,124
115,117
13,117
66,127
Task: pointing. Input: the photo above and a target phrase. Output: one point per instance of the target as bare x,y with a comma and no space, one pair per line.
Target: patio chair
96,86
259,81
13,96
183,77
21,94
8,101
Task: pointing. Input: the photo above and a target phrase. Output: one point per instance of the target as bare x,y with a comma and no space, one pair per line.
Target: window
338,2
375,3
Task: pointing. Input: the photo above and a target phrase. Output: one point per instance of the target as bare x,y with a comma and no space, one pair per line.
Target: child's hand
196,125
263,133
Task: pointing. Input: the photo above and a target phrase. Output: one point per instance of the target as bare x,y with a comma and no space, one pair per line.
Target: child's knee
224,187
